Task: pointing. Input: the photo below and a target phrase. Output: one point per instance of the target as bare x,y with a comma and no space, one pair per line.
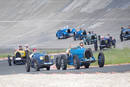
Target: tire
76,62
63,62
48,68
101,48
58,64
86,65
84,40
88,43
74,38
9,61
64,37
88,53
99,37
80,37
114,45
14,60
95,45
27,64
36,65
121,37
101,59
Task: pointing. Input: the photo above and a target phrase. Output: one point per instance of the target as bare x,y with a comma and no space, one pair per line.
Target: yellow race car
19,57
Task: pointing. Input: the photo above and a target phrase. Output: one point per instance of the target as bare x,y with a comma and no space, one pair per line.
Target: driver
26,48
20,48
34,51
81,45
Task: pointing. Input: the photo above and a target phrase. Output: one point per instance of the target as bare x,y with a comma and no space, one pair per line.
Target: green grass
115,56
5,55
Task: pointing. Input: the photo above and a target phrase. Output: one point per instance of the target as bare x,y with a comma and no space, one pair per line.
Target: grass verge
115,56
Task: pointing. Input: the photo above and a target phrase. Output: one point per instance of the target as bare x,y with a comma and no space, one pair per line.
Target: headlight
52,57
41,57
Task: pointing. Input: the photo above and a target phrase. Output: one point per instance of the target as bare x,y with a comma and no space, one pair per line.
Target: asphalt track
20,69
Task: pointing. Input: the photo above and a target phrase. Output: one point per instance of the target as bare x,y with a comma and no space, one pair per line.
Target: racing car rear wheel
101,48
88,43
101,59
80,37
58,64
9,61
121,37
95,45
48,68
76,62
86,65
63,62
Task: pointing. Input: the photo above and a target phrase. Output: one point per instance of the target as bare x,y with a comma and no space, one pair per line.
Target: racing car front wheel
63,62
101,59
95,45
58,64
9,61
27,65
36,65
76,62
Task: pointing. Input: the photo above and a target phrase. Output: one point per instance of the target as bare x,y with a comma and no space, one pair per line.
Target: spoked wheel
95,45
9,61
86,65
74,38
88,43
63,62
36,66
14,62
27,65
48,68
101,59
101,48
76,62
58,63
28,62
121,37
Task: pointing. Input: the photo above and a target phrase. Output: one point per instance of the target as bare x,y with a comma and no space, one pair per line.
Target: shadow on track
20,69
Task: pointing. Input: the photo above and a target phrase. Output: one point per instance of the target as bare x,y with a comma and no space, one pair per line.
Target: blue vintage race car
125,34
78,35
107,43
39,60
79,57
90,39
65,33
